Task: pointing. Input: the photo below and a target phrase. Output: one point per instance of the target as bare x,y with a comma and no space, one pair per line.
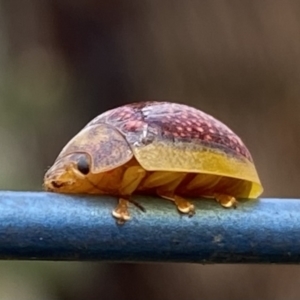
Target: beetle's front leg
130,181
121,212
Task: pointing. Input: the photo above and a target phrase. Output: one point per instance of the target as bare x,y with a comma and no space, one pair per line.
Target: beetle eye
83,166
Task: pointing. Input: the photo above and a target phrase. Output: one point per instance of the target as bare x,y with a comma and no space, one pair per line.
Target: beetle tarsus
182,204
226,200
121,212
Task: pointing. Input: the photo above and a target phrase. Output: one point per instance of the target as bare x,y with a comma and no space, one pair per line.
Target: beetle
167,149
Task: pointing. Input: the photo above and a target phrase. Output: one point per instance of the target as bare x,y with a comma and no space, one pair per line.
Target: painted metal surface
48,226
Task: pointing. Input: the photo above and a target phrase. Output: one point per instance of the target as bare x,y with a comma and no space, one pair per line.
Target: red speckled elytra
163,148
173,120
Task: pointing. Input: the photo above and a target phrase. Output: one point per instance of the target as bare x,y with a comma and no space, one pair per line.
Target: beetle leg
132,178
166,191
121,212
130,181
226,200
182,204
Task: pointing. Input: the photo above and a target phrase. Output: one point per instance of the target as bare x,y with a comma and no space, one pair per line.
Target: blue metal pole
48,226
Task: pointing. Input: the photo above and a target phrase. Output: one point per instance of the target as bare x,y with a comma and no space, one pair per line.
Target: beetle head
69,174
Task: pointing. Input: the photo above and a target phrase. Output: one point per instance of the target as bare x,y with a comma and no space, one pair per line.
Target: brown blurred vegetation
64,62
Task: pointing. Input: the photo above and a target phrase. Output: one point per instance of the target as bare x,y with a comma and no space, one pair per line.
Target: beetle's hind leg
226,200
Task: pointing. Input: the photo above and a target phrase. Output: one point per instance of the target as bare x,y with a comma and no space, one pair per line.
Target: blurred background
64,62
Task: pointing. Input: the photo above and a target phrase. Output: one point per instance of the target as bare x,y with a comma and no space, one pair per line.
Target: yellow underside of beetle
190,158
